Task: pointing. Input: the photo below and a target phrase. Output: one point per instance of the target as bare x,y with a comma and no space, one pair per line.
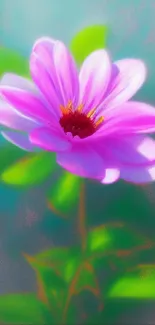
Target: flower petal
11,118
67,74
131,117
82,161
43,49
94,78
132,150
54,71
47,83
43,72
49,139
26,103
13,80
131,76
131,158
138,175
111,175
18,139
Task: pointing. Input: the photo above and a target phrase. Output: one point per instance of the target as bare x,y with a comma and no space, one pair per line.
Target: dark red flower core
78,124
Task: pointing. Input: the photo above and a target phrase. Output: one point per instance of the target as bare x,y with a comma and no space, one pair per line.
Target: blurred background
73,251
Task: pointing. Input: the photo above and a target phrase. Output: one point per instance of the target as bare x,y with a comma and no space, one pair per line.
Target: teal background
131,26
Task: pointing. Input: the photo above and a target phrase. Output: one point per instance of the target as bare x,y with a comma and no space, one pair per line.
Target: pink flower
85,117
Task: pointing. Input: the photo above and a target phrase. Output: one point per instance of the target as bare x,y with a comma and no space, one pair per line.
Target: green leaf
86,280
54,255
64,195
114,246
88,40
9,154
51,287
117,237
21,309
135,285
63,261
13,62
98,240
50,277
31,170
69,265
124,238
61,273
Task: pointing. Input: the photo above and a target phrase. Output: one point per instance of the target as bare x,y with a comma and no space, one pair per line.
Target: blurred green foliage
88,40
139,284
65,193
23,309
65,272
29,170
11,61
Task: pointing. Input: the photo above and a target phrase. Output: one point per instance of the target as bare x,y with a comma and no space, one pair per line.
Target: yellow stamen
70,105
67,109
80,107
99,121
63,109
91,113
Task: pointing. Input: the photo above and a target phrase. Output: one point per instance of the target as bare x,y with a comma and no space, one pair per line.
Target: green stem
83,233
81,216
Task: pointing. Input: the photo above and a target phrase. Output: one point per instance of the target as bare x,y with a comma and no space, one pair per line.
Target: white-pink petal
111,175
13,80
67,74
132,150
12,119
94,78
129,79
43,72
43,49
47,83
19,139
54,71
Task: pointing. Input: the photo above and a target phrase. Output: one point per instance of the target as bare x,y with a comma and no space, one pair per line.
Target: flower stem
83,233
81,216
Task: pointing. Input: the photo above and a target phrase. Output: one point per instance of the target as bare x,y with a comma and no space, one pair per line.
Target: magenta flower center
78,123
